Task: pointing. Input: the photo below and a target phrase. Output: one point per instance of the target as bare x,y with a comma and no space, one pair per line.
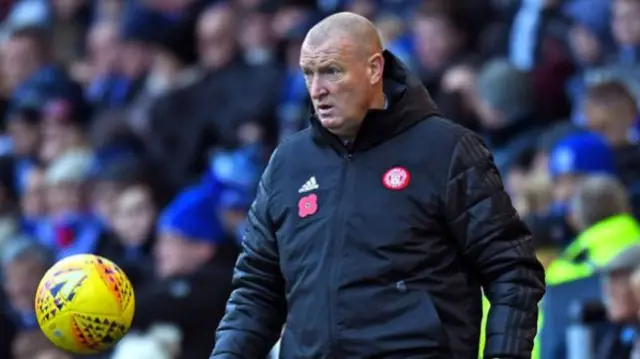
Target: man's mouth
324,108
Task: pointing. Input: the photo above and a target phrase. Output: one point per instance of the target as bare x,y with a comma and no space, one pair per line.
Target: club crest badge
396,178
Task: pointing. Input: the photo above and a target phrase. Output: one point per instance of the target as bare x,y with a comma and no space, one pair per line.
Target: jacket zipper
345,181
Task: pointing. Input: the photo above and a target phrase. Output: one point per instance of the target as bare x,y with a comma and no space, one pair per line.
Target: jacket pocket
426,316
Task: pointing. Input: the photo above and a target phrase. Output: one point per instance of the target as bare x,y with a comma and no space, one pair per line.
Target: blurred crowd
138,130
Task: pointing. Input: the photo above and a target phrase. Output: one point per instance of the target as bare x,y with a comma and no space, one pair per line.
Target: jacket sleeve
256,309
496,244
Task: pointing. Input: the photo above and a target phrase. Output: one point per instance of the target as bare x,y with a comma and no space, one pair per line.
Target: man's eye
332,71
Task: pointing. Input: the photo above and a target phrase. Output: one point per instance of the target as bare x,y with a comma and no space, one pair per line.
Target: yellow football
84,304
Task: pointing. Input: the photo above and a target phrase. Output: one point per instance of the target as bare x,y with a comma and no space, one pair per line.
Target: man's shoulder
296,145
295,140
441,130
436,139
296,148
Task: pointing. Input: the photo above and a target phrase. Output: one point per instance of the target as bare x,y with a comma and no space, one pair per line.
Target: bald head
347,26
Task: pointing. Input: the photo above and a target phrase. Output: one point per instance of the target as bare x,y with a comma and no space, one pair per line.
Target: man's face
436,42
20,60
104,47
619,298
216,42
585,44
626,22
65,198
613,122
21,282
176,255
134,215
338,82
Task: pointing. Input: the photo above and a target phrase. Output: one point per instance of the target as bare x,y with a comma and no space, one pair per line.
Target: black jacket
380,273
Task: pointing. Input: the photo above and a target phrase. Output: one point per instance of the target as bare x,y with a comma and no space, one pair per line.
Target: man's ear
376,66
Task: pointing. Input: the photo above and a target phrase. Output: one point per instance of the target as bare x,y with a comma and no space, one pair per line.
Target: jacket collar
408,103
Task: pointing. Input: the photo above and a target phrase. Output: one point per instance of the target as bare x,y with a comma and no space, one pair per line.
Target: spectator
233,177
173,68
134,215
622,65
194,264
601,214
611,110
69,23
139,30
626,30
69,228
33,201
621,306
26,54
530,191
101,60
24,263
439,43
110,178
572,160
588,53
547,142
64,128
258,40
25,129
506,111
29,69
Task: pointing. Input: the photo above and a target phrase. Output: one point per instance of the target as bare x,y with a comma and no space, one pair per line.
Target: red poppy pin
308,205
396,178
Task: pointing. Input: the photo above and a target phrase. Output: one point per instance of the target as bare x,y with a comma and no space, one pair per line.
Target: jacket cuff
505,346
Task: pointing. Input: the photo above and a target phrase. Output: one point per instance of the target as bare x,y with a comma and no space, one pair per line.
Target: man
617,340
194,262
374,230
612,110
23,264
600,211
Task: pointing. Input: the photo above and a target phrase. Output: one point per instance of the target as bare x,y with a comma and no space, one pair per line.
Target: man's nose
317,90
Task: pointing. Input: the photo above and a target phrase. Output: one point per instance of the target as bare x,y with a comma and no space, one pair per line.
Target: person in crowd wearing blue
572,160
70,227
232,177
194,262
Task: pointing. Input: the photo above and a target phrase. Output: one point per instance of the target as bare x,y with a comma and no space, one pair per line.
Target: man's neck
380,102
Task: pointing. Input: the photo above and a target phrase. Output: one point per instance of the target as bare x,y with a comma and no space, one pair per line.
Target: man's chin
331,123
